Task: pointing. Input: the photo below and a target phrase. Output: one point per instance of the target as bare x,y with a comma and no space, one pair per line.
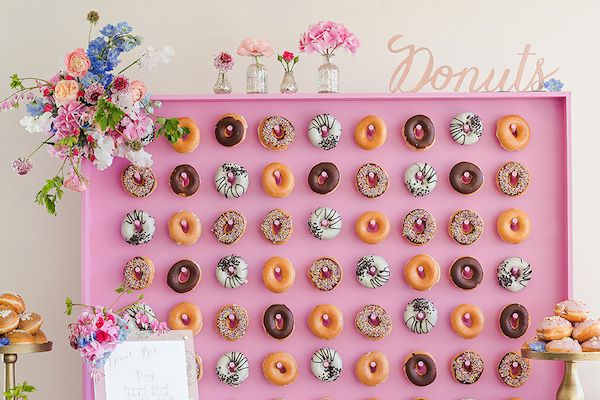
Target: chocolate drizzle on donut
183,276
420,369
278,321
230,131
323,178
466,273
466,177
514,321
419,132
184,180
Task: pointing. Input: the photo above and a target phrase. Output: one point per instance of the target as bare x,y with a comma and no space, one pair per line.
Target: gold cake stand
10,354
570,388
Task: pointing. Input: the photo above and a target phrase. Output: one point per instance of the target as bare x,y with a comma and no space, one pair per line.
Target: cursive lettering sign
417,70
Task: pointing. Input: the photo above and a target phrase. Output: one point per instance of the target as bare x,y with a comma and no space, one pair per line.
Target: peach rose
66,91
137,90
77,63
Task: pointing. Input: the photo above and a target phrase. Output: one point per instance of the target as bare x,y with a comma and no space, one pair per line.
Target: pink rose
254,47
75,183
66,91
137,90
77,63
287,56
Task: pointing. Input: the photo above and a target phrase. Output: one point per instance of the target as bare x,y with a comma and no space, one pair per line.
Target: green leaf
279,57
169,128
108,115
69,141
69,306
15,82
50,193
296,59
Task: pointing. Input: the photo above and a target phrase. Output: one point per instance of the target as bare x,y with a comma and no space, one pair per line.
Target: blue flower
35,109
537,346
89,78
4,341
123,28
109,30
553,85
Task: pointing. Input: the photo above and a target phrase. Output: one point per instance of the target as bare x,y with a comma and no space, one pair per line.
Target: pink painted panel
548,249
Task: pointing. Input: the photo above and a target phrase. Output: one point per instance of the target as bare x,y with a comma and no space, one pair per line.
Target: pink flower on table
67,122
134,130
137,90
253,47
287,56
75,183
327,36
66,91
77,63
120,83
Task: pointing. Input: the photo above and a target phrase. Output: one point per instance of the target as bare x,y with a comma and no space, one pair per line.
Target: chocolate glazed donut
420,369
188,269
184,180
324,178
466,273
230,130
466,177
514,321
278,321
419,132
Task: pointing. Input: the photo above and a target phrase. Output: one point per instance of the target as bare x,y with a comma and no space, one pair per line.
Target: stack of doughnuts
16,324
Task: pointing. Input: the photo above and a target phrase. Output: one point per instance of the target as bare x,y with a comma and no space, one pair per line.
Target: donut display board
542,261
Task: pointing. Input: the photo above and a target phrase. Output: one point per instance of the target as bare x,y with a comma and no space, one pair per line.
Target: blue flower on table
553,85
35,109
4,341
123,28
108,30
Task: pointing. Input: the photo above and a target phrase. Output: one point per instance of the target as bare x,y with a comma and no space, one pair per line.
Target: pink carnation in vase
326,37
253,47
223,61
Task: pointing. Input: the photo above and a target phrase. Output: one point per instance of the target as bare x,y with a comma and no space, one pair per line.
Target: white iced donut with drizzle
138,227
326,364
325,131
233,368
466,128
514,274
325,223
420,179
231,180
420,316
373,271
232,271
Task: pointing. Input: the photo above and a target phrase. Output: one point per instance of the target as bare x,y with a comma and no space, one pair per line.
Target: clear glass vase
256,78
328,75
222,85
288,83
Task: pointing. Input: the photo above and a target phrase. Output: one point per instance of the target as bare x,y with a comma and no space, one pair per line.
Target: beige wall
40,254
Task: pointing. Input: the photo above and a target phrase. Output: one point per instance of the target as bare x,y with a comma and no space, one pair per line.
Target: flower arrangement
253,47
224,62
288,60
326,37
553,85
91,112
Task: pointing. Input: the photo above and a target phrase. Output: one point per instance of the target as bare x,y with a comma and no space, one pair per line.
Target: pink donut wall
547,202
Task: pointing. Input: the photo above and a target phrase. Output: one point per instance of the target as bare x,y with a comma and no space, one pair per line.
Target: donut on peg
232,322
513,226
420,179
138,181
371,180
467,367
325,273
277,180
276,133
231,129
324,178
233,368
466,273
419,132
420,368
278,274
190,140
229,227
184,228
324,131
280,368
326,365
466,178
326,321
465,227
184,180
184,276
370,133
138,273
513,179
514,370
422,272
466,128
185,316
372,227
373,322
467,321
514,321
372,368
278,321
419,227
277,226
513,132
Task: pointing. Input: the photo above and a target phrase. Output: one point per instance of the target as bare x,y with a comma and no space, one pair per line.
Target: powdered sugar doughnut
324,131
232,271
420,316
326,365
233,368
231,180
138,227
420,179
373,271
466,128
514,273
325,223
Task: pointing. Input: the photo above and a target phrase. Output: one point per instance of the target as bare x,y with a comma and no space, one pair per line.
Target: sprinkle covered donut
325,131
277,226
185,316
419,132
514,321
138,181
420,179
466,273
466,177
138,227
467,367
278,180
371,180
466,128
325,223
372,227
371,132
232,271
373,321
230,130
420,316
513,226
419,227
372,368
278,274
184,276
465,227
514,370
138,273
280,368
231,180
184,180
467,321
420,368
373,271
233,368
229,227
276,133
513,132
184,228
512,179
325,273
278,321
514,273
324,178
232,322
422,272
189,141
326,364
326,321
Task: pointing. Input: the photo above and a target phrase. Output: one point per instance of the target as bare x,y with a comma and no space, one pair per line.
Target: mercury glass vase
222,85
256,78
288,83
328,75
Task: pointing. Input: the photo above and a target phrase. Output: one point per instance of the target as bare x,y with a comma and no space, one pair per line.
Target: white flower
105,145
152,57
37,124
125,103
141,158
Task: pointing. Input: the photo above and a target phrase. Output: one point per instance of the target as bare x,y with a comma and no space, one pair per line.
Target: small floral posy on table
288,60
256,73
90,113
223,62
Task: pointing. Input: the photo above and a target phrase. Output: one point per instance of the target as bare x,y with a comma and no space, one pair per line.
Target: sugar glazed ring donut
514,273
514,370
372,227
138,273
512,179
420,316
184,180
572,310
138,181
554,328
277,180
467,367
230,130
324,178
419,132
420,179
514,321
326,365
371,180
184,276
466,128
420,368
513,226
371,132
419,227
232,271
278,321
512,132
373,321
12,301
231,180
229,227
189,141
467,321
466,273
466,178
325,131
326,321
325,223
278,274
185,316
276,133
325,273
184,228
232,322
233,368
372,368
465,227
277,226
9,320
373,271
583,331
31,322
422,272
280,368
138,227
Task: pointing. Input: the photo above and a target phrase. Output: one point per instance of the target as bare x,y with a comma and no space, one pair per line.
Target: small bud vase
256,78
328,75
288,83
222,86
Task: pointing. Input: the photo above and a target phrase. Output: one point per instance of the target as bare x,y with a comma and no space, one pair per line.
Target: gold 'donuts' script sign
406,78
